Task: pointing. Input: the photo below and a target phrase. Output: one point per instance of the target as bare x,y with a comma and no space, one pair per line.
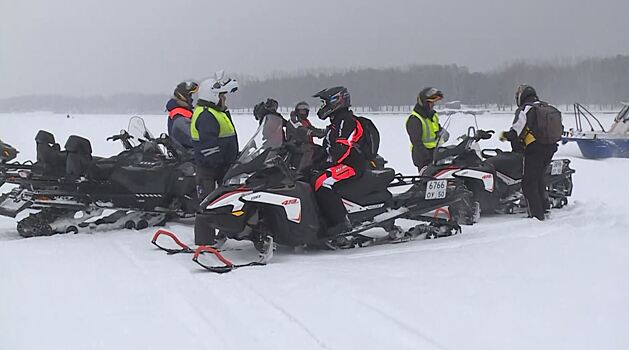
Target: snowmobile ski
266,254
170,251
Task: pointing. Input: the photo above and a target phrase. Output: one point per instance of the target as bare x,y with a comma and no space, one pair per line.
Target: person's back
179,109
537,127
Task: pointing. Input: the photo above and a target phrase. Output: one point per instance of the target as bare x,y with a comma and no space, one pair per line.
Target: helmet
332,100
210,89
263,108
429,94
523,93
185,89
302,110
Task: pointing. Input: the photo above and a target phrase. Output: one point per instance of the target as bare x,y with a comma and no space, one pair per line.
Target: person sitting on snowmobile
179,109
213,133
537,126
274,122
344,160
423,127
303,131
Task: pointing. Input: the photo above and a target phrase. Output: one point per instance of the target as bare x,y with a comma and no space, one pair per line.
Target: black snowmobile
148,183
495,176
264,201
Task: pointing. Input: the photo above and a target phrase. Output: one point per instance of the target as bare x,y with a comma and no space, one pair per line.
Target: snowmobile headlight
23,174
239,179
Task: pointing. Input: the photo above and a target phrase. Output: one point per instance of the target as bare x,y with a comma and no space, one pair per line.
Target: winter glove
318,133
507,135
259,111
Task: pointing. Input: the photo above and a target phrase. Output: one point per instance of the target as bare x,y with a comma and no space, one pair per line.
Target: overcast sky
85,47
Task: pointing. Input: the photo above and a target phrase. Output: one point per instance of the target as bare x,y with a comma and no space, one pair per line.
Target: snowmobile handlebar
484,134
124,136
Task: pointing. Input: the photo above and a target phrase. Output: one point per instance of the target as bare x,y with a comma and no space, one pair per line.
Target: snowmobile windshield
137,128
623,115
270,135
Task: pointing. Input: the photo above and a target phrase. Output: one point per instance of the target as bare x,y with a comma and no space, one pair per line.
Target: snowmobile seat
508,163
101,168
79,156
370,188
50,159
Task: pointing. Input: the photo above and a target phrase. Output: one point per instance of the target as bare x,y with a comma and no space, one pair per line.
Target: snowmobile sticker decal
231,198
291,205
509,181
352,207
487,178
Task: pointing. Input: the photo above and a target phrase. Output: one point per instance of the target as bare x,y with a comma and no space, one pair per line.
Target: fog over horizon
89,47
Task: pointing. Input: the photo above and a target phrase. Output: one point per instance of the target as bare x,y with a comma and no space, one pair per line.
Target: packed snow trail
505,283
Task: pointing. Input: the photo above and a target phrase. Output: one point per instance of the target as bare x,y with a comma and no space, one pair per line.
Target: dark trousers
537,157
207,179
329,201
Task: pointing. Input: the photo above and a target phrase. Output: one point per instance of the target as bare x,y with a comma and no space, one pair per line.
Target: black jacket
343,139
211,151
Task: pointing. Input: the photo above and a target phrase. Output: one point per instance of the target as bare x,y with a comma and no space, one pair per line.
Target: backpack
370,142
549,128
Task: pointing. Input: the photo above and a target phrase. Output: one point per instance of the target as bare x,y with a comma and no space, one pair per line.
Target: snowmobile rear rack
405,180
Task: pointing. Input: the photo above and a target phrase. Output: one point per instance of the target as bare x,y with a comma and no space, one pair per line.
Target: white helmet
210,89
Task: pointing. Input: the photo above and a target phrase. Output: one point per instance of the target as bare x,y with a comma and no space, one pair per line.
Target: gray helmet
524,93
429,94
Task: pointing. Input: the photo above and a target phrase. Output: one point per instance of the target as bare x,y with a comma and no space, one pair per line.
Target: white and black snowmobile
495,176
263,201
148,183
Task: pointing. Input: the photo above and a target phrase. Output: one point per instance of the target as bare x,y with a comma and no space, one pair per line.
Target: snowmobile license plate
556,167
436,189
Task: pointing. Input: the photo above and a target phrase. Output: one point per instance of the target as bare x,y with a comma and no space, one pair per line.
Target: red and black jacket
343,140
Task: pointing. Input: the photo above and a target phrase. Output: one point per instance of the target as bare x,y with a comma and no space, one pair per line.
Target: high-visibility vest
429,129
226,126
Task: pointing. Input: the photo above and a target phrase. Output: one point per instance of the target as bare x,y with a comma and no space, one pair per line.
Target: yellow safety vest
226,126
429,129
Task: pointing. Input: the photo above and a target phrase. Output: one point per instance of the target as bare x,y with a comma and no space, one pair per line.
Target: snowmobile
495,176
264,201
148,183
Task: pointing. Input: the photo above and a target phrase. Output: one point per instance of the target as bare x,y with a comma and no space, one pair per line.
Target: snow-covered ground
504,283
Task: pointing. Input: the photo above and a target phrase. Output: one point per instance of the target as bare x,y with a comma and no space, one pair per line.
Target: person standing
179,109
538,127
213,133
423,127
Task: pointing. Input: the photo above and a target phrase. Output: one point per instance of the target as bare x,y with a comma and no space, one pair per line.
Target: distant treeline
590,81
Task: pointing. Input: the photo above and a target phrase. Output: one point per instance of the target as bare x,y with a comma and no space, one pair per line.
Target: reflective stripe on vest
429,129
226,127
185,112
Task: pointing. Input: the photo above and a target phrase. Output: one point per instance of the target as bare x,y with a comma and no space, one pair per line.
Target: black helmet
185,89
333,99
429,94
525,93
263,108
302,110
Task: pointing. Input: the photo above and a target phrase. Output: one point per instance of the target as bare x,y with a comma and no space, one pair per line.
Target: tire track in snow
424,338
287,315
